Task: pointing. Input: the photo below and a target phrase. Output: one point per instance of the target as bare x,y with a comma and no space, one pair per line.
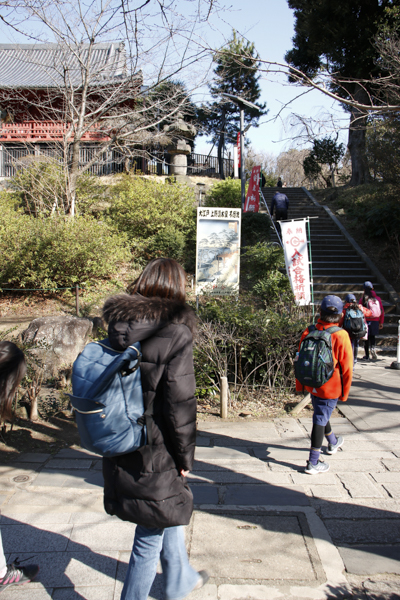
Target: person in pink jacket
375,322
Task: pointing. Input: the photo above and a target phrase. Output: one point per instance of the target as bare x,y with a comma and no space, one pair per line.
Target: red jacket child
337,386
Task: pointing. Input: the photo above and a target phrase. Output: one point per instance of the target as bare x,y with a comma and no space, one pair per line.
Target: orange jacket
337,386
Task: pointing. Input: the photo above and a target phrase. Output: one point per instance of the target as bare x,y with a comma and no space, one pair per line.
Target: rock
340,212
59,340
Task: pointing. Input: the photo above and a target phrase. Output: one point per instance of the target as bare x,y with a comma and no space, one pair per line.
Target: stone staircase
339,265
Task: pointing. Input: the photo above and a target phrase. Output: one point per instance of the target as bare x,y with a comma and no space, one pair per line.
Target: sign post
295,248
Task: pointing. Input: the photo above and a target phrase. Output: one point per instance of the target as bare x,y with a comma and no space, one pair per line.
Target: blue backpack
108,401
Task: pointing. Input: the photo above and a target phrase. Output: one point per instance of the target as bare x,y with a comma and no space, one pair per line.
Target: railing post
224,397
77,300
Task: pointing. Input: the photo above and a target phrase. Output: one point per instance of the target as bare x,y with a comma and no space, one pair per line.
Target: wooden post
300,405
224,397
77,299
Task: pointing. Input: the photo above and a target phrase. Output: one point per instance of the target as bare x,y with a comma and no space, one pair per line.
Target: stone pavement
262,528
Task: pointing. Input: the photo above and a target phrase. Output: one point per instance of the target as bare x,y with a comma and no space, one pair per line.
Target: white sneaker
333,448
320,467
374,354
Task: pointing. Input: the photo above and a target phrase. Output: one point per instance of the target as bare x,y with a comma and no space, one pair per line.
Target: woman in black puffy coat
149,487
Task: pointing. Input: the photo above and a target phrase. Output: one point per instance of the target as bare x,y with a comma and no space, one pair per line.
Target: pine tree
236,73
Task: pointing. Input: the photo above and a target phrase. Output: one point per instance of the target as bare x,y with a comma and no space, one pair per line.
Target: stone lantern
180,133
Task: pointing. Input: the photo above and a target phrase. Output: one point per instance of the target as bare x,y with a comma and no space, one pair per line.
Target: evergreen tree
236,72
337,38
324,152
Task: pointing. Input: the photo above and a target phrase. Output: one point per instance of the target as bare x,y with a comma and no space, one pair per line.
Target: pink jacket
380,319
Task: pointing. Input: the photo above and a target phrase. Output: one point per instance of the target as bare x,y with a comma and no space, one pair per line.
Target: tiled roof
47,65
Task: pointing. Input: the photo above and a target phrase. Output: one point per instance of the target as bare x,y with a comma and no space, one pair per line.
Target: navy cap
368,284
350,298
332,304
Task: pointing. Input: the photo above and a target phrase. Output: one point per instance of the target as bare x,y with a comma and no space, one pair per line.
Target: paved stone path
262,528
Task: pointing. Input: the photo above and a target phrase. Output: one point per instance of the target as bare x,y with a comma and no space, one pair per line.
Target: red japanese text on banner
252,203
294,239
238,147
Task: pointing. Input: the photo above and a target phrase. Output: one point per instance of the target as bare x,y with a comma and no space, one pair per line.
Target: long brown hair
12,370
162,277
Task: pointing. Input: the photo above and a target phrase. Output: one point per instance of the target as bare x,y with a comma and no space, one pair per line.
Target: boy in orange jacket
325,398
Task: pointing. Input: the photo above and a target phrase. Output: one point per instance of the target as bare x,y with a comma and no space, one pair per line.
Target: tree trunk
73,172
357,133
221,144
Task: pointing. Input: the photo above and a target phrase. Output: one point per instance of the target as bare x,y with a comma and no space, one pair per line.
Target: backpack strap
331,330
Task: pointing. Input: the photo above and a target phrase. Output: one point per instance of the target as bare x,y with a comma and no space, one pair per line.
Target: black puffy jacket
145,486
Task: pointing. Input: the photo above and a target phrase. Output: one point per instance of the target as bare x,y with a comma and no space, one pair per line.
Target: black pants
280,215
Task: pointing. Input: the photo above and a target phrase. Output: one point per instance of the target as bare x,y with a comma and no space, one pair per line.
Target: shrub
251,346
158,219
39,188
263,266
56,252
256,227
225,194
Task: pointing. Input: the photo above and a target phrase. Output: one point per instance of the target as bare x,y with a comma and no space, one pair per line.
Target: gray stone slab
66,464
27,592
393,489
326,491
229,477
70,479
356,466
364,532
282,454
289,428
89,593
102,536
7,473
3,499
71,569
341,429
216,454
371,560
251,547
252,465
26,538
392,464
360,486
10,516
76,453
93,517
328,478
57,498
203,441
359,509
33,457
265,495
204,494
387,477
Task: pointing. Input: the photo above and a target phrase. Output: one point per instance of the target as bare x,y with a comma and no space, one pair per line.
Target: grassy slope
350,205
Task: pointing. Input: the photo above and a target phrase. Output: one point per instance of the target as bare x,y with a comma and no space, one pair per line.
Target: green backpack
314,364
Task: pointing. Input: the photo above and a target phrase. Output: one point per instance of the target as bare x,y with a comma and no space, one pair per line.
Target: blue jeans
149,545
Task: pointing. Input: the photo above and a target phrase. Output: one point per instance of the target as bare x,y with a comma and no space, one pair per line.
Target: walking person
12,371
279,184
375,322
148,487
337,387
280,202
355,323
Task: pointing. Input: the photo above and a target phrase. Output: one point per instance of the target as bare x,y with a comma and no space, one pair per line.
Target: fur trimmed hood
139,309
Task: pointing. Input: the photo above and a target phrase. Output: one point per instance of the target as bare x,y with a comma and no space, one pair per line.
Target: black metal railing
14,157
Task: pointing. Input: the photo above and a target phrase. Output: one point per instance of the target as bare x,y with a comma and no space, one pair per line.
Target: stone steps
337,267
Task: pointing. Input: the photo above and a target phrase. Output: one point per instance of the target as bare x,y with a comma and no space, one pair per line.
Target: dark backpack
108,401
354,323
314,364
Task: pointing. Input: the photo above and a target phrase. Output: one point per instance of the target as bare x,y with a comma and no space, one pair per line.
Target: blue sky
270,25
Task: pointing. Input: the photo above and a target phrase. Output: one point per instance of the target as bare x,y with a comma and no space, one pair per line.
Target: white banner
294,239
218,251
